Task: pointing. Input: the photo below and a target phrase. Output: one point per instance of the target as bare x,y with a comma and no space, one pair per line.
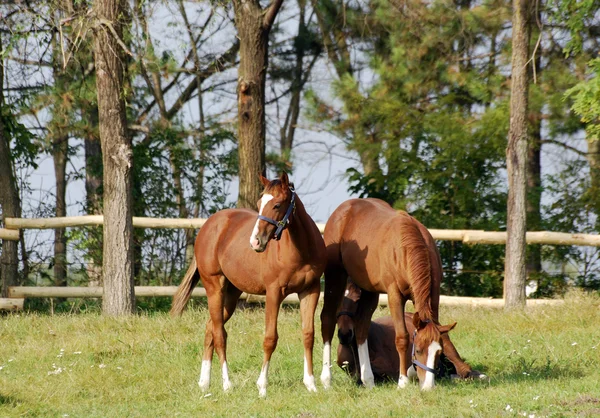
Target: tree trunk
534,171
60,146
117,260
516,162
253,25
93,184
593,157
9,200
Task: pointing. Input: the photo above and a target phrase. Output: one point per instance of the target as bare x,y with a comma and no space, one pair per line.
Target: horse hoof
369,383
403,382
309,382
227,386
262,392
204,386
326,378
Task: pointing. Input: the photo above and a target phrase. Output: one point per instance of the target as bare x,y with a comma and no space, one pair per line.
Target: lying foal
383,355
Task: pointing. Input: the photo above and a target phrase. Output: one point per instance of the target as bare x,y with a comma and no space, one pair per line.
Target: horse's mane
273,185
418,265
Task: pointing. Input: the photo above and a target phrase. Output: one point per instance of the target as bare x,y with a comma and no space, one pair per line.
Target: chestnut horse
385,251
234,254
381,341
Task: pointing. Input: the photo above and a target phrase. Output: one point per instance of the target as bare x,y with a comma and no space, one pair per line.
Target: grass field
544,362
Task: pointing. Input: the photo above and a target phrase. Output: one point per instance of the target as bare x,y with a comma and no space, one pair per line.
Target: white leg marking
432,351
309,379
263,202
326,373
366,374
263,381
403,382
226,382
204,381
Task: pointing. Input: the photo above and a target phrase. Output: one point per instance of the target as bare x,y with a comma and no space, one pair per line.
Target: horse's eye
277,205
419,352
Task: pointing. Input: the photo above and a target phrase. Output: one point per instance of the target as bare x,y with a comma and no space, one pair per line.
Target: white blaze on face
432,351
253,237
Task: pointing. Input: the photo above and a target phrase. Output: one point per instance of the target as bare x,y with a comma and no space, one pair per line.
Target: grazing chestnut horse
385,251
234,254
381,341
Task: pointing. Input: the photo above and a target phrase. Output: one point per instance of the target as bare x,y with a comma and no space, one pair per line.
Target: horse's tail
184,291
418,266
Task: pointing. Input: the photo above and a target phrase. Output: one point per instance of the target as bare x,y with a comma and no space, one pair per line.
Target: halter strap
417,362
282,224
347,313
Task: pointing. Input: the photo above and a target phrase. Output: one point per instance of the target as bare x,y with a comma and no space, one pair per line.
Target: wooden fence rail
21,292
467,236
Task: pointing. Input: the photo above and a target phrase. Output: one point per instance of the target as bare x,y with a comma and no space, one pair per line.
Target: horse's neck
300,229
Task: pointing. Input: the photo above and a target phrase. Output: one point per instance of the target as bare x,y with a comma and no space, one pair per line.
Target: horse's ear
265,181
285,181
417,321
446,328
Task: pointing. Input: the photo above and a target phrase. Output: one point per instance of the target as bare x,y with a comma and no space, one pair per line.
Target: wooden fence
13,225
18,293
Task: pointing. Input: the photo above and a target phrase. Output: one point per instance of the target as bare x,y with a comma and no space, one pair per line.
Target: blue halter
282,224
417,362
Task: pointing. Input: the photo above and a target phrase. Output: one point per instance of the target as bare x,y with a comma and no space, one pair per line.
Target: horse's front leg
396,303
274,299
308,305
366,306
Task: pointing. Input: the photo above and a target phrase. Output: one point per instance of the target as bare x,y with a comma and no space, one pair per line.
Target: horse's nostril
346,337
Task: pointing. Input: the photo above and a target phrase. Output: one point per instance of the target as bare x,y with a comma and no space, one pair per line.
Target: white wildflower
76,352
535,398
207,395
102,366
574,343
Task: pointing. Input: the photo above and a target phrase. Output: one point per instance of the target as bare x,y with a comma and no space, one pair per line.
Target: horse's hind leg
273,302
308,305
366,306
335,284
221,304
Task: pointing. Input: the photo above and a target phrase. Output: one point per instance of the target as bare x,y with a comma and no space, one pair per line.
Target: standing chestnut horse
233,254
385,251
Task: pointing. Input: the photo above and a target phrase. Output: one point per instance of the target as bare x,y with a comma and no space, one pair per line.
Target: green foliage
586,100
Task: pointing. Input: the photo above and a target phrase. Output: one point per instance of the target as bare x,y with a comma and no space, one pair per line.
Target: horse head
427,348
345,317
275,210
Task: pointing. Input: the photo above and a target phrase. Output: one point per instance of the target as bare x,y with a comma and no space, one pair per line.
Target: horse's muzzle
346,337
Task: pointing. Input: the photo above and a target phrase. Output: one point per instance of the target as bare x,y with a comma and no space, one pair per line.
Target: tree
117,265
253,24
9,196
516,160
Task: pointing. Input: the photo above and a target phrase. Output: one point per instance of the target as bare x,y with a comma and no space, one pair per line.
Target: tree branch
271,13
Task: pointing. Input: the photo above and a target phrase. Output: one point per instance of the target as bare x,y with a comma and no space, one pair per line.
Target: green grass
148,366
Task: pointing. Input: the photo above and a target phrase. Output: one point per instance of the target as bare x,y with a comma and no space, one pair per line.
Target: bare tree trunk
60,145
253,25
516,162
117,264
593,157
534,171
93,184
9,200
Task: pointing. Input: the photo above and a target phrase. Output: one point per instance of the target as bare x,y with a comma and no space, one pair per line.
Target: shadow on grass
9,401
